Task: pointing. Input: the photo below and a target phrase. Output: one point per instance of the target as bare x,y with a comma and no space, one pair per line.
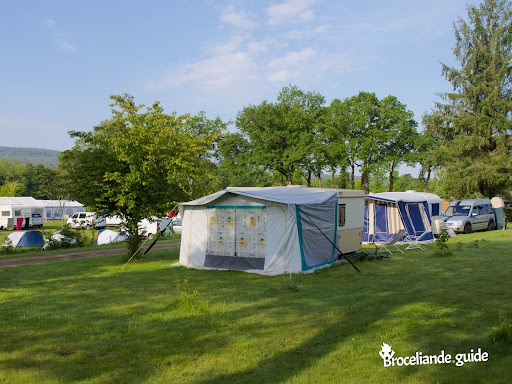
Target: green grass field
51,227
88,321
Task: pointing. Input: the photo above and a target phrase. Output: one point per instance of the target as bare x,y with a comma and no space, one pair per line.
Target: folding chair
387,245
414,241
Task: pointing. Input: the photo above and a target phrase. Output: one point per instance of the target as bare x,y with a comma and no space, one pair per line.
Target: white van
470,215
87,220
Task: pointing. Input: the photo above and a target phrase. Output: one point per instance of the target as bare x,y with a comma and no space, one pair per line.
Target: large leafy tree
137,165
334,138
398,123
282,134
478,112
429,152
235,166
366,137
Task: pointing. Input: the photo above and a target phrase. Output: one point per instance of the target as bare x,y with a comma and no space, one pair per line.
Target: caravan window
435,209
17,213
341,215
5,213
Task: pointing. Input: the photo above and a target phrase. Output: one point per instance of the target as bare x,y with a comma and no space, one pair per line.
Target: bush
69,238
7,248
441,242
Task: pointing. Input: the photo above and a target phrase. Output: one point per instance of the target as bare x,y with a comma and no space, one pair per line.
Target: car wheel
467,228
491,226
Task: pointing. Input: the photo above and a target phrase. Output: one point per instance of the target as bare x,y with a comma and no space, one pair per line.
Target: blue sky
60,60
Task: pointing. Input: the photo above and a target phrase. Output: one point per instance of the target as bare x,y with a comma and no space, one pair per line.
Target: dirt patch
17,261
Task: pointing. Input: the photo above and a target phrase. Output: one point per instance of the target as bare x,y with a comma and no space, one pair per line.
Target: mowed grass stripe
89,321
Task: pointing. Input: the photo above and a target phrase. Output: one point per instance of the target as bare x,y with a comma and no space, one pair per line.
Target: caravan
20,212
272,230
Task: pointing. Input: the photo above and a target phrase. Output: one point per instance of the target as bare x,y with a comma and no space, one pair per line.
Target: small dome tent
269,231
387,213
106,236
24,239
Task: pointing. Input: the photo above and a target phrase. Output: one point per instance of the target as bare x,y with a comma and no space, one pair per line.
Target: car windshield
458,210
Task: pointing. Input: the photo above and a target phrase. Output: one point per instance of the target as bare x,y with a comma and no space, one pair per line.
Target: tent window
17,213
341,215
237,232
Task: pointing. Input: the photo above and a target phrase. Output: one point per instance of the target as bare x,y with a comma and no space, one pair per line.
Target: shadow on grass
89,321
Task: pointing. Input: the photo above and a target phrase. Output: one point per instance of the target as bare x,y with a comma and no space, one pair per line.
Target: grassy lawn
88,321
53,226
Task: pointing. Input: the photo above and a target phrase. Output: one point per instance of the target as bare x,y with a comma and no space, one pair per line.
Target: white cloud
290,11
281,76
61,40
218,71
255,47
236,19
304,33
292,58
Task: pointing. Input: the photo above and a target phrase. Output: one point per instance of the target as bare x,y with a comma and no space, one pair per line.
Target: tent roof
412,197
26,201
56,203
285,195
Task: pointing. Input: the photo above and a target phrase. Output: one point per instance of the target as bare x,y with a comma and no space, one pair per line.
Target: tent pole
346,258
153,243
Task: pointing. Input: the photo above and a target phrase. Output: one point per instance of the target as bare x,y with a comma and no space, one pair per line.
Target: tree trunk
289,179
391,178
352,176
427,179
319,177
308,179
365,182
135,240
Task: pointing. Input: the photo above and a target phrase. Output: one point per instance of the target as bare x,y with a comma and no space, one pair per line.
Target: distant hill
47,157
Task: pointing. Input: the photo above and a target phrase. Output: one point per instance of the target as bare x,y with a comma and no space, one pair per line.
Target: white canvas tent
262,230
106,236
54,209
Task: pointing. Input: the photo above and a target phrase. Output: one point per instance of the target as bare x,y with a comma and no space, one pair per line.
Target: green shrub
441,242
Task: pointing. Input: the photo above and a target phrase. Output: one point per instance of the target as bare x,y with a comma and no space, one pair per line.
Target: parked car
470,215
37,220
113,221
86,220
171,225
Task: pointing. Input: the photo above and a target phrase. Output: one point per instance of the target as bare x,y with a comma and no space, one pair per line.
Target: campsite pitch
89,321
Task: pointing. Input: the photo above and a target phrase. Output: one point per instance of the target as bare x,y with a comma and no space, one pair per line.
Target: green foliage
475,117
138,164
282,134
188,300
236,166
442,242
400,126
7,248
502,333
17,179
46,157
70,238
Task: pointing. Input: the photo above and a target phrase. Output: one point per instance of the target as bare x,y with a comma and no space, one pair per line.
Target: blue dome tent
30,238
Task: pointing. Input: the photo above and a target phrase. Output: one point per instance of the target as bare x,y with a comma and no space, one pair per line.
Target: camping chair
387,245
414,241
